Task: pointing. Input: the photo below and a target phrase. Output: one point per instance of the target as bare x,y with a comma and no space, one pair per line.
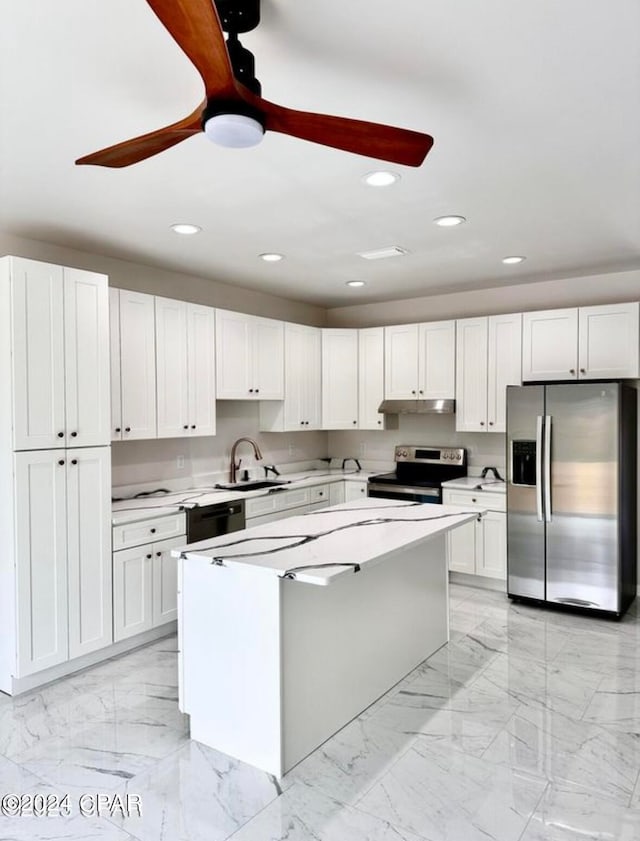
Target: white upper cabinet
301,407
609,342
185,365
339,379
550,345
249,357
599,342
133,329
420,361
370,377
488,359
60,355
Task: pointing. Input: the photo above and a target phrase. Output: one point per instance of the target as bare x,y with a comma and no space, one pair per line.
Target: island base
273,667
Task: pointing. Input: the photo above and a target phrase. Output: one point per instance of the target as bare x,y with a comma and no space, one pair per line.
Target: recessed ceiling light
510,260
185,229
271,257
356,283
381,253
380,178
449,221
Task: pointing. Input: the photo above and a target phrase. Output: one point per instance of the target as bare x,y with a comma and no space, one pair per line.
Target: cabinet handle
148,557
257,390
320,493
153,531
74,434
186,426
490,423
250,391
583,370
193,426
301,423
481,423
473,499
118,429
355,422
421,391
413,391
60,434
74,461
61,462
127,429
158,554
572,370
380,421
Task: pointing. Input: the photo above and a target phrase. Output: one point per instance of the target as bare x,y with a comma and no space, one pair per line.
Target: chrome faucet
233,467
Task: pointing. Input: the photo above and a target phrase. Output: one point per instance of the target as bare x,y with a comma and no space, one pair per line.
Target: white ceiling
534,107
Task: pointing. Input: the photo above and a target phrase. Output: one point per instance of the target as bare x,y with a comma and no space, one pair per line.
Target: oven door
402,492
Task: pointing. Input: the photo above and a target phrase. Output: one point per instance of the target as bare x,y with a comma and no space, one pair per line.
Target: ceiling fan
234,112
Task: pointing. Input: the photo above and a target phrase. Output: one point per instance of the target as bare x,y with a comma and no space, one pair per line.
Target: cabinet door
89,549
137,365
492,560
267,359
550,345
437,361
114,360
38,355
461,548
370,377
504,366
233,349
41,552
339,379
609,342
471,374
132,591
165,581
171,368
86,359
310,373
337,493
201,364
401,362
354,490
302,377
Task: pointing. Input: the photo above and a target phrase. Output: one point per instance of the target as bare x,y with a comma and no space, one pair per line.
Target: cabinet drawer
148,531
319,494
475,499
279,501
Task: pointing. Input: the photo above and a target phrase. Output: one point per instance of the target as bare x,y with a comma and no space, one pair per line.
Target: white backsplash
206,460
483,448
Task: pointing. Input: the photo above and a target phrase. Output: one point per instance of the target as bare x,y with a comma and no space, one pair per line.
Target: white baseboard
479,581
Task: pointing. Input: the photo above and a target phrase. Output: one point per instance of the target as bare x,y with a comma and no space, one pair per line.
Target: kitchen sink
251,486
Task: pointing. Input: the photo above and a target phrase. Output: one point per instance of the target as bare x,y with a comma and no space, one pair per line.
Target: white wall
547,294
137,462
155,281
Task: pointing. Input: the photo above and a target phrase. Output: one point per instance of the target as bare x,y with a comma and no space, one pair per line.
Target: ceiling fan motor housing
238,15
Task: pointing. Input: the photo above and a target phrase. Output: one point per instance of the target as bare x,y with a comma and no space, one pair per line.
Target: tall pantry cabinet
55,466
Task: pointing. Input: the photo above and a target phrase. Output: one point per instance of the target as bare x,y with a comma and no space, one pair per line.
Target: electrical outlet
292,450
180,463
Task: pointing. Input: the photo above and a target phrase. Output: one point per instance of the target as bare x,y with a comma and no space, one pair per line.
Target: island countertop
318,547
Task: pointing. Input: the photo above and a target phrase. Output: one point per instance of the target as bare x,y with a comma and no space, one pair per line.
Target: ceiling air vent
381,253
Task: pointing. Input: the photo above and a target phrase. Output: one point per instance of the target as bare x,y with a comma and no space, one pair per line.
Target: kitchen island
289,630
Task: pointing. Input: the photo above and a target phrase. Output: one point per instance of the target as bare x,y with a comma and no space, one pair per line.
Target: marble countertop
318,547
475,483
130,510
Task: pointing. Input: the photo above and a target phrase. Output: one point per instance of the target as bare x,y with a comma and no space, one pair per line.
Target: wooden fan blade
147,145
195,27
396,145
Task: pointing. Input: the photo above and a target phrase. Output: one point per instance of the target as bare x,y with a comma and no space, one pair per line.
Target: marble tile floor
525,727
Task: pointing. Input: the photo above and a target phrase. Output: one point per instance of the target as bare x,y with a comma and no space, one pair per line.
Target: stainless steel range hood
417,407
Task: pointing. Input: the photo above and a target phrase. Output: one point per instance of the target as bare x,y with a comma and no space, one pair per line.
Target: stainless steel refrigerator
571,494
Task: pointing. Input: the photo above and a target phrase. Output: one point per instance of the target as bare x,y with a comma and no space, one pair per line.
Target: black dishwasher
206,521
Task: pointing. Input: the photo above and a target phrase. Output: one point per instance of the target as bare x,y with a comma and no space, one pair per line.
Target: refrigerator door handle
547,468
539,468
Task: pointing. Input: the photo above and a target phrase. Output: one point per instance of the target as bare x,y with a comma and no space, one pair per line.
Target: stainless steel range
420,472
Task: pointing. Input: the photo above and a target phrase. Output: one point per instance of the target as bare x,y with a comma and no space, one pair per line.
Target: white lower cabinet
145,585
479,547
354,490
279,506
63,555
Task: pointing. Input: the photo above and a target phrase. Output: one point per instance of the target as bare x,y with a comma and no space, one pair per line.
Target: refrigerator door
582,514
525,520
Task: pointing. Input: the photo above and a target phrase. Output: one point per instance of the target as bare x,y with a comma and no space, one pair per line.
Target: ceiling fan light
235,131
381,178
449,221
